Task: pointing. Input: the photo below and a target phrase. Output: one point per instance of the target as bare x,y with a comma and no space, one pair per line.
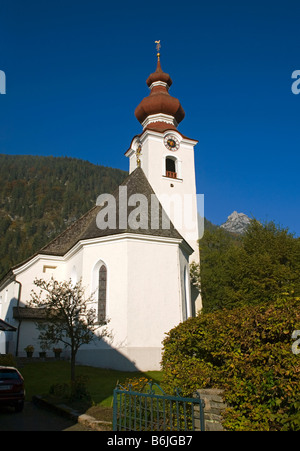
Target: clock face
171,142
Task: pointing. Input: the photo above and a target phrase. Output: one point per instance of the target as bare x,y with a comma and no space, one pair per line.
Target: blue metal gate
156,411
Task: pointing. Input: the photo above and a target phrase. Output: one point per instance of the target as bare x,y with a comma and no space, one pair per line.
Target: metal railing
156,411
171,174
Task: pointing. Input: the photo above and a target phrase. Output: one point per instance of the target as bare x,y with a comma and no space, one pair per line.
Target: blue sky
76,70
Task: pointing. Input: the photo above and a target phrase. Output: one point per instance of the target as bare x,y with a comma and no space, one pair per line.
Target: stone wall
214,406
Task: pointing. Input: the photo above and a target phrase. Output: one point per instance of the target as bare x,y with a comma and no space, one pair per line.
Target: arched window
102,293
187,288
171,170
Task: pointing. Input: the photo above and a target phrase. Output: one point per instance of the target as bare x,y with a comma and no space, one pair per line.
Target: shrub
74,391
7,360
247,353
59,390
79,389
137,384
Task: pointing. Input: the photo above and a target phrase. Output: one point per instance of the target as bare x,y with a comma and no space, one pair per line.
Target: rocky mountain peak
236,223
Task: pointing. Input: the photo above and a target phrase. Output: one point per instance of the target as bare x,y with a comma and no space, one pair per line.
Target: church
132,257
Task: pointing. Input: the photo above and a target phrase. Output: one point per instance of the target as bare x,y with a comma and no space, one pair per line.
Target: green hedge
7,360
248,353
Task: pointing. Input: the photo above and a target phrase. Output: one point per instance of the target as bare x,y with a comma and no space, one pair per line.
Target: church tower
167,157
135,269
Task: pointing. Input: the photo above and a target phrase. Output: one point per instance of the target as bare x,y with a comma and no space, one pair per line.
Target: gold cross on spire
158,46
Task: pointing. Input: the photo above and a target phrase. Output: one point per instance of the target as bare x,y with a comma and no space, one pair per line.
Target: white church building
141,259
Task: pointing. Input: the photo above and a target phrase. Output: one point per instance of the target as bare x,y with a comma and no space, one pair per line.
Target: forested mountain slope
41,196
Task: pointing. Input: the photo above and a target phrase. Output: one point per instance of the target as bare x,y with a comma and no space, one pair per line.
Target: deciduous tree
257,267
69,317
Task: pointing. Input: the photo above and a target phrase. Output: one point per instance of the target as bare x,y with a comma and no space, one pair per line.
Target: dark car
12,391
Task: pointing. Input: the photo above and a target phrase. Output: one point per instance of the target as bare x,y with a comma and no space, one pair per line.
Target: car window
8,374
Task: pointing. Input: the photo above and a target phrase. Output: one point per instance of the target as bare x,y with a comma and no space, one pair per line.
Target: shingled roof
4,326
86,227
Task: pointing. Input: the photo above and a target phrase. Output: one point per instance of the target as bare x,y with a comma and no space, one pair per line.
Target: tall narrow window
187,288
171,168
102,293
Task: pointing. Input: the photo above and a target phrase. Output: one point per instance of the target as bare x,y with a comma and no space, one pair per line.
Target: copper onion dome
159,101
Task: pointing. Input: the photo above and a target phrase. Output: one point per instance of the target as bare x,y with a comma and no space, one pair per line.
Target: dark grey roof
29,313
4,326
86,227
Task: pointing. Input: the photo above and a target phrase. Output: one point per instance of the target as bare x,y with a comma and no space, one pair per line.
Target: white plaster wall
40,268
37,267
154,292
114,255
29,335
144,301
2,342
8,300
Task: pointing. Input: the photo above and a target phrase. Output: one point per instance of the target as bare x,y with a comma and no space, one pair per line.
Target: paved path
34,418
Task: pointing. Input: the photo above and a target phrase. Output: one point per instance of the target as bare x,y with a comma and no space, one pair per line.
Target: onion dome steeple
159,111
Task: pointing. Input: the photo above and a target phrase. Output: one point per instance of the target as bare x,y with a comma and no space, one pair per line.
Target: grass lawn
39,376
